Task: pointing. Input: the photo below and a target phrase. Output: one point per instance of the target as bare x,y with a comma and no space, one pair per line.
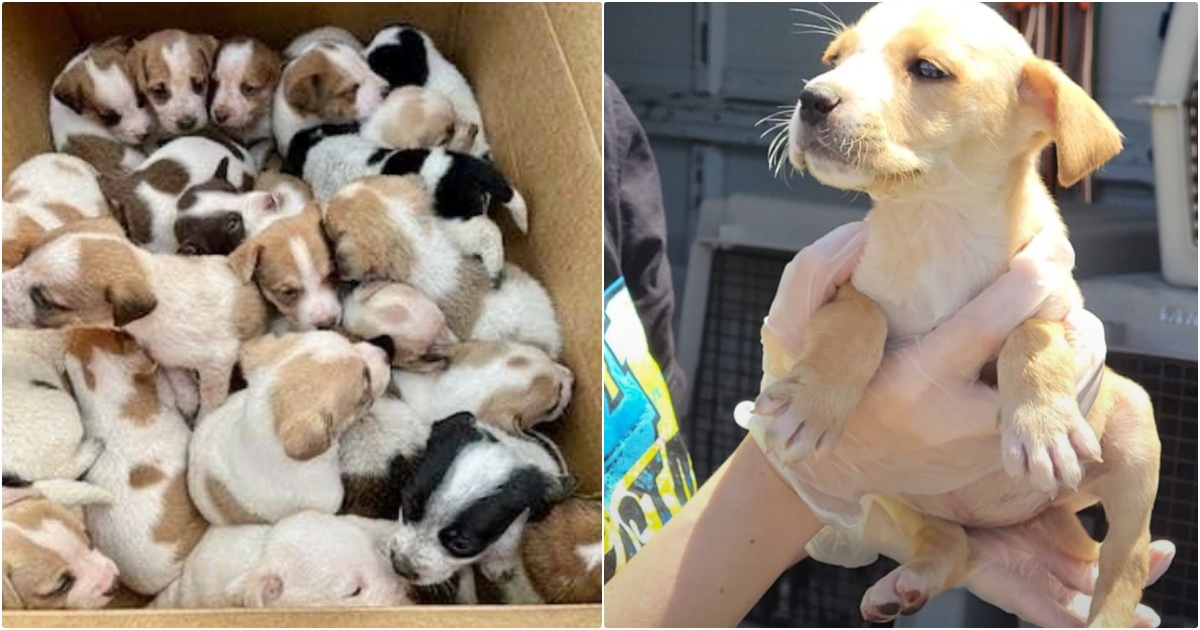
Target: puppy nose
815,105
327,322
186,124
403,567
220,115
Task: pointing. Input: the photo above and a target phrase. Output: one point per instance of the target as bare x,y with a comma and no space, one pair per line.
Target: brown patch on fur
180,524
27,235
150,67
262,74
462,307
104,154
144,475
355,223
82,343
13,192
229,510
1085,137
477,353
167,176
315,86
29,567
64,211
846,41
111,266
268,181
74,87
250,313
126,598
314,401
269,262
370,496
549,549
421,119
507,408
518,362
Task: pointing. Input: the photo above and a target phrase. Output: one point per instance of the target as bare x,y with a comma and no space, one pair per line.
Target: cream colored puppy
939,112
46,192
272,449
414,117
402,320
151,525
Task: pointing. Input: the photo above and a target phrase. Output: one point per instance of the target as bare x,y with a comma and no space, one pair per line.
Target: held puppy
148,201
563,554
987,108
187,313
244,77
405,55
413,117
49,561
272,449
308,559
151,525
96,111
327,82
45,192
290,263
172,68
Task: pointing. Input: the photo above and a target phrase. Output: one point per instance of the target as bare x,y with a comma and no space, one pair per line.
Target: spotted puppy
45,192
562,554
172,68
49,561
272,449
405,55
244,77
308,559
290,263
327,81
414,117
148,201
96,111
187,313
151,525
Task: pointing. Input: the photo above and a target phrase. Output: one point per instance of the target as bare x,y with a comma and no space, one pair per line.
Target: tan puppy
171,68
563,554
45,192
414,117
940,113
49,561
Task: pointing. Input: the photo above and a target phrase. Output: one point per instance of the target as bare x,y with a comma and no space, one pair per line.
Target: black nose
220,116
815,105
403,567
186,124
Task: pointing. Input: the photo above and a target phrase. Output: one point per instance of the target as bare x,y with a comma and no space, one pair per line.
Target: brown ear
305,435
244,259
137,65
131,299
1085,136
69,88
303,86
12,598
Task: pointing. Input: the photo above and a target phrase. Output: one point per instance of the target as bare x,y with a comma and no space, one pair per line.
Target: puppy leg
89,449
214,387
187,395
1043,433
479,236
843,346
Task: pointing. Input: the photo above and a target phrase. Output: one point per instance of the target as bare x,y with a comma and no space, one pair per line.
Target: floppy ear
69,89
1085,136
12,599
222,171
131,299
303,88
244,259
306,434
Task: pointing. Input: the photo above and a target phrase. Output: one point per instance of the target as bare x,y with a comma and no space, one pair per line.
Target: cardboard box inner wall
536,71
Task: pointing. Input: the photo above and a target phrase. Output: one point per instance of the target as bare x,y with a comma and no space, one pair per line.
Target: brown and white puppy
244,77
290,263
939,112
413,117
402,320
272,449
215,217
49,561
96,111
563,554
328,82
151,525
292,192
43,193
186,312
172,68
334,34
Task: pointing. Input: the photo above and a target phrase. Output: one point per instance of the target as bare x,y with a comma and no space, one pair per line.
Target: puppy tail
518,211
494,184
70,492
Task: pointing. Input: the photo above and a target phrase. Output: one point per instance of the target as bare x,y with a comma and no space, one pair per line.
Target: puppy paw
809,414
1047,443
904,591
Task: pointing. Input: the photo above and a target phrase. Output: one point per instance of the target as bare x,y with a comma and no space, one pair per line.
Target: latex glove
925,425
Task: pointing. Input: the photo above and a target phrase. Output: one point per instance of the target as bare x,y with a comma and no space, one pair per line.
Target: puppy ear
244,259
303,85
12,598
1085,136
222,171
258,589
69,89
208,49
305,435
262,351
137,65
131,299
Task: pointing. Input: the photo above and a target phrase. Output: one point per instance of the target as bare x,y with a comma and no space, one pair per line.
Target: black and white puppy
405,55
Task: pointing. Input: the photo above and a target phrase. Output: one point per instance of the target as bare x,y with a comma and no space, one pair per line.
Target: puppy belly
995,500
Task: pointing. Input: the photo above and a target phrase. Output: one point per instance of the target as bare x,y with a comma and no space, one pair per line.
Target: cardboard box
536,70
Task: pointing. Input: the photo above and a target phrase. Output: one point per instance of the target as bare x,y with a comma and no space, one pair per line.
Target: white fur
184,102
45,183
95,574
286,122
520,309
318,304
321,34
115,90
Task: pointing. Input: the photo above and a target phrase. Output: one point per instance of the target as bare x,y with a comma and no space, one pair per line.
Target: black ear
447,439
222,169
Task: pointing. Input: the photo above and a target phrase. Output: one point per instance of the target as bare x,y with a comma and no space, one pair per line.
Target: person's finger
1162,552
1081,576
1025,589
960,346
1143,615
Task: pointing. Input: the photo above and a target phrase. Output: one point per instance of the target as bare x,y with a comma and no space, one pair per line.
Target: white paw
807,417
1047,443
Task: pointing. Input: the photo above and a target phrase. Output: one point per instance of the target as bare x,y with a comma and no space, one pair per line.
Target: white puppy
151,525
271,450
308,559
43,193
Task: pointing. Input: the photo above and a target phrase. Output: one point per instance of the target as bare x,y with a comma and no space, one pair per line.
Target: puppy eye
926,70
351,91
248,90
141,100
233,223
110,118
41,299
357,591
456,543
198,85
288,294
64,584
160,92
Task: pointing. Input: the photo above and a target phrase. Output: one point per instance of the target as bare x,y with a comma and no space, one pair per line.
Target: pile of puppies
276,379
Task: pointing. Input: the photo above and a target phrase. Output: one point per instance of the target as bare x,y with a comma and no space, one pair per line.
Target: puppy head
216,216
49,561
289,261
317,384
468,493
85,272
563,553
101,86
296,567
412,323
354,223
172,68
413,117
512,385
919,95
331,82
244,78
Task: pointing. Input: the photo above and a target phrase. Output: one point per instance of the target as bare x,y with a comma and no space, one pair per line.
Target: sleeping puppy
49,561
43,193
272,449
562,554
190,313
414,117
965,173
308,559
244,77
327,82
96,111
216,216
148,201
171,68
151,525
333,34
289,261
403,321
465,500
291,192
404,55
